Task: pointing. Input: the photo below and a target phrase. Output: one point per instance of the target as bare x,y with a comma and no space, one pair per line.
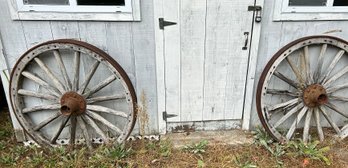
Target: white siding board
192,34
12,35
119,45
65,30
36,33
145,66
171,10
93,33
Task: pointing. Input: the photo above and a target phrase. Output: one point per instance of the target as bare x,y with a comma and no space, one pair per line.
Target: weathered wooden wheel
302,91
70,90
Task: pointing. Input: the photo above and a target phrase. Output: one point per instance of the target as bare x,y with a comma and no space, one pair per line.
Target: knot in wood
72,104
315,95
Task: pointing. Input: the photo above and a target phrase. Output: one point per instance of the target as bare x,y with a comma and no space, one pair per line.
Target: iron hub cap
315,95
72,104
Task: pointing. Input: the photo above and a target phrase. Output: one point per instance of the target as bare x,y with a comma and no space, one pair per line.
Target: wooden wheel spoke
85,132
307,125
36,94
96,128
344,132
333,64
281,92
41,82
46,121
62,69
73,121
105,98
287,115
307,65
100,86
282,105
317,121
339,98
98,108
50,74
335,108
317,71
104,121
89,77
285,79
336,76
41,107
76,71
336,88
295,70
329,119
60,129
296,122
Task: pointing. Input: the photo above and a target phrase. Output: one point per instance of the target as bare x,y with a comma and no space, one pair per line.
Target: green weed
263,139
8,159
165,148
241,164
200,163
310,150
198,148
118,152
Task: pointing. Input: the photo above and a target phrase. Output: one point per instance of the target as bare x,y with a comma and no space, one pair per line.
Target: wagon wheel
302,92
68,89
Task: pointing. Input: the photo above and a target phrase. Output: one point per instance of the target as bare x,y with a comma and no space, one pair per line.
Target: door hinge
163,23
257,10
165,115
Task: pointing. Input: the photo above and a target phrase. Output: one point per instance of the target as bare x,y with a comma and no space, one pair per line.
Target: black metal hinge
166,116
163,23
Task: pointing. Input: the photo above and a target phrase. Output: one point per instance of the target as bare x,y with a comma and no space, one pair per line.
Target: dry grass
156,154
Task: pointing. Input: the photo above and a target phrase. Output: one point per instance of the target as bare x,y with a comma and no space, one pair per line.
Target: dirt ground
202,153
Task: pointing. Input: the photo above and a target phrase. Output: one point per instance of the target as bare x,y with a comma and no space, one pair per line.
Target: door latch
257,10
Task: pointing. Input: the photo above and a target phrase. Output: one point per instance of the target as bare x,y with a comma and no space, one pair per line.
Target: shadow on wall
3,103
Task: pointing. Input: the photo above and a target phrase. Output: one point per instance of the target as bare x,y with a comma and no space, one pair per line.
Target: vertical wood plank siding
131,44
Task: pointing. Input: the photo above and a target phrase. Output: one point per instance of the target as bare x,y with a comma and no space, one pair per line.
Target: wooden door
206,58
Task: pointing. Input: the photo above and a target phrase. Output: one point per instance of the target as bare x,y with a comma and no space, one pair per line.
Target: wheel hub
72,104
315,95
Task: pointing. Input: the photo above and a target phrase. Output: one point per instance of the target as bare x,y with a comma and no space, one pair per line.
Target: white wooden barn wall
131,44
275,35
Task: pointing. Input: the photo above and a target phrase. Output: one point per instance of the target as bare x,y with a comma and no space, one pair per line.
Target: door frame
160,68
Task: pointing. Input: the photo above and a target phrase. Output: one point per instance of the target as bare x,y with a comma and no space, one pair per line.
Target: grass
142,153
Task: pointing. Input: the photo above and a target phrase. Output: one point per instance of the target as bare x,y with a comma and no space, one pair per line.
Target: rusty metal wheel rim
304,110
85,92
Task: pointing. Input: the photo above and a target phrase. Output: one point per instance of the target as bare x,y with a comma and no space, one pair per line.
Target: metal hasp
163,23
165,115
257,9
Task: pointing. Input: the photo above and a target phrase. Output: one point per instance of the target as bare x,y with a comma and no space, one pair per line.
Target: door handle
246,36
